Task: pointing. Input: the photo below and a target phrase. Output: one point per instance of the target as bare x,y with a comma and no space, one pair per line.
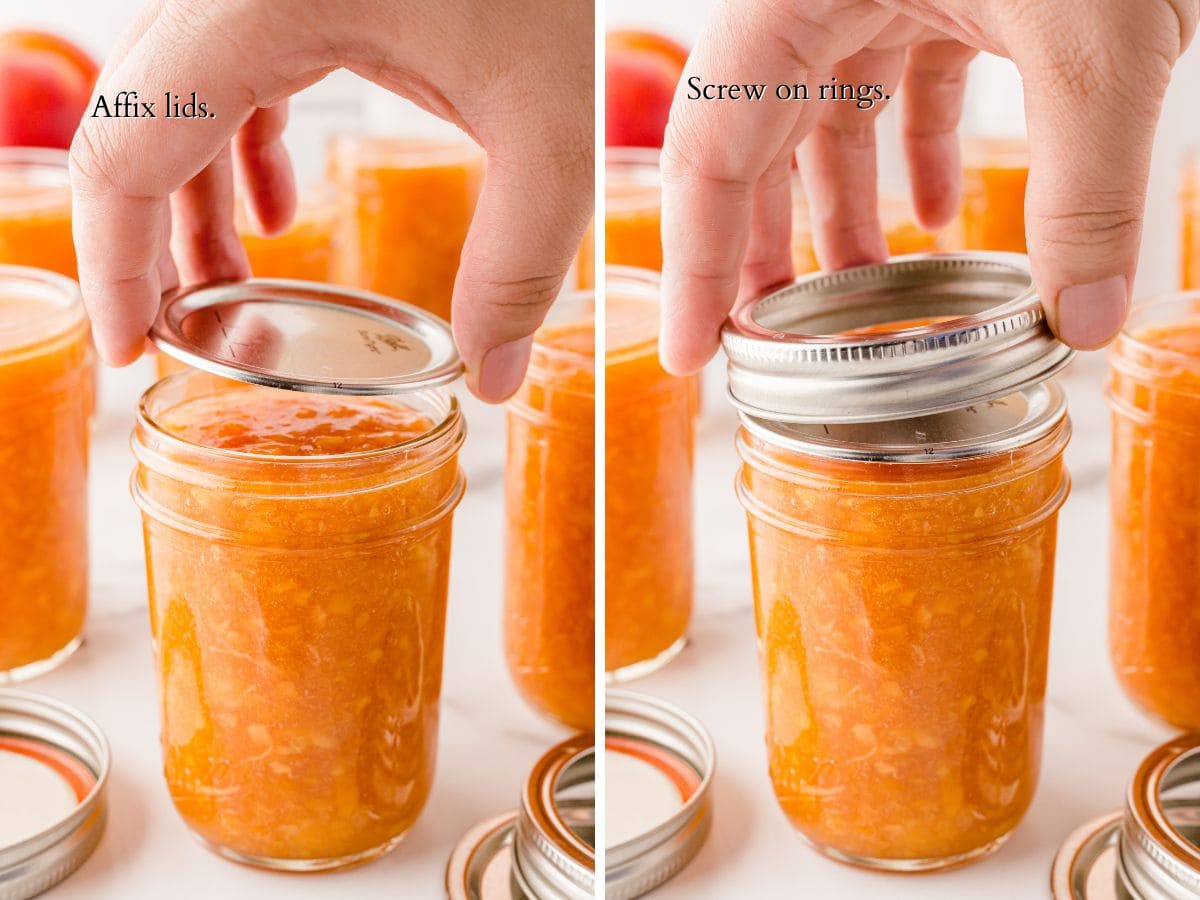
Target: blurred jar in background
304,251
633,220
45,405
1154,613
549,585
995,172
633,208
404,206
298,551
35,209
648,497
900,228
1189,213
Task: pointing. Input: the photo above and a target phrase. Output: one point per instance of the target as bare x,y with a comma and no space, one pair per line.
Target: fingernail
1091,315
503,369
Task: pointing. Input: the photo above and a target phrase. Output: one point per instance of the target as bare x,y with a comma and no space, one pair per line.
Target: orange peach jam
900,229
902,601
648,497
1154,614
995,172
35,210
45,400
1189,237
549,584
633,208
297,550
404,206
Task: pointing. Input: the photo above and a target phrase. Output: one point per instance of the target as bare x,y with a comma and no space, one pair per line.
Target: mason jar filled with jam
550,504
297,530
45,406
902,474
1154,548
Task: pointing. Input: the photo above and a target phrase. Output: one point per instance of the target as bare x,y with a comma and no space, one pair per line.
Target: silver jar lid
48,738
306,336
659,733
980,429
545,850
1151,850
833,346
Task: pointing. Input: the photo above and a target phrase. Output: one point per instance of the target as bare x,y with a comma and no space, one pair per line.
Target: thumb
1091,131
523,237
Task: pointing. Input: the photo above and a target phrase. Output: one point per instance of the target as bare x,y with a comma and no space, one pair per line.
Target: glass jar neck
159,450
46,313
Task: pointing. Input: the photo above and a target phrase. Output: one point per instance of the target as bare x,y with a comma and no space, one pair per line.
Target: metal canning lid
663,735
980,429
1151,850
306,336
912,336
546,849
60,760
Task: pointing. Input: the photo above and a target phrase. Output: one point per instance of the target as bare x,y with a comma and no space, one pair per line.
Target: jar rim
65,307
445,426
1179,300
407,150
644,287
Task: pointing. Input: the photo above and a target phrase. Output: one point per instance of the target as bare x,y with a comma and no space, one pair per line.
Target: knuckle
92,161
1094,228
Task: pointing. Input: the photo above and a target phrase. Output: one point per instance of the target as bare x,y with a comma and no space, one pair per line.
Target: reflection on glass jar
648,497
45,403
297,550
549,593
1154,618
903,573
404,206
633,208
35,209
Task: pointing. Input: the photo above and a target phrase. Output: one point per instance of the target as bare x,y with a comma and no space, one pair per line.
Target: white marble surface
489,739
1094,738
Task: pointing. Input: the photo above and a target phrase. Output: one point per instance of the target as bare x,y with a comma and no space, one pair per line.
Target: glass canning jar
633,208
549,585
649,422
45,405
35,209
1154,549
902,473
297,550
404,207
903,574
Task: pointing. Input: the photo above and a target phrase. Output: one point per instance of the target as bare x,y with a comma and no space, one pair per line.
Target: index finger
125,164
716,151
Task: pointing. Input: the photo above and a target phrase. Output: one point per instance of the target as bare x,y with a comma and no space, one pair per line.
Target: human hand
516,77
1094,71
